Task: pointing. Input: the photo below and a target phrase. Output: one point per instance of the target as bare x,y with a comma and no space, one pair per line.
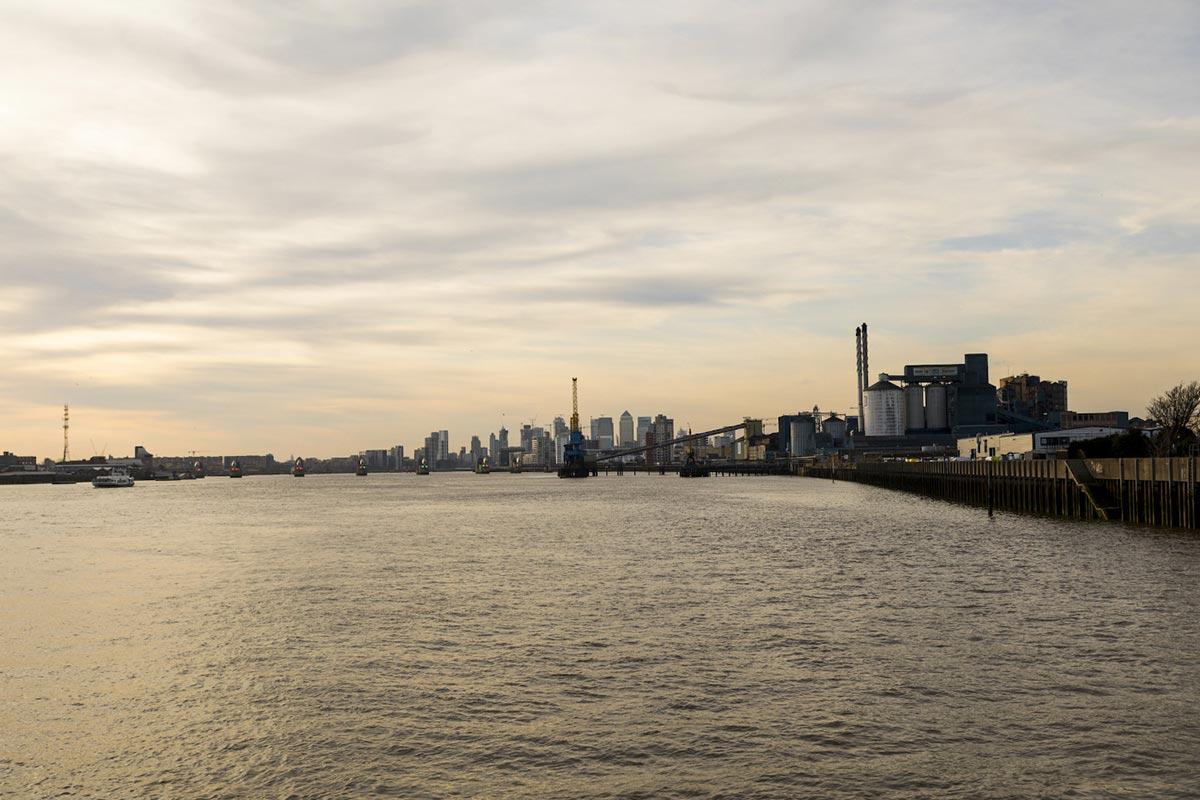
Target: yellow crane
574,405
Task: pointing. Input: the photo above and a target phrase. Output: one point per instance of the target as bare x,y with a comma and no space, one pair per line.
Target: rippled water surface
522,636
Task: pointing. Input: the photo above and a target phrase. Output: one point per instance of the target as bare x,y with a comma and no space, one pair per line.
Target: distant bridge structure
691,437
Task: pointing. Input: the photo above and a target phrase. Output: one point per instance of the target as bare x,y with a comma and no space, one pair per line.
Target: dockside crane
574,459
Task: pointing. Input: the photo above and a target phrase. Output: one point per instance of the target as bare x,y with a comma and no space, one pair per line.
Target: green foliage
1177,411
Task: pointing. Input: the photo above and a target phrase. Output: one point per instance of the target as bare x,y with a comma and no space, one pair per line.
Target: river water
639,636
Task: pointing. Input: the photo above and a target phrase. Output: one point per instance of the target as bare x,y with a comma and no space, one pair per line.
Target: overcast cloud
317,227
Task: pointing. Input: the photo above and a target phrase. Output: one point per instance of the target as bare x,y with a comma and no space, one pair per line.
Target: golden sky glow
315,228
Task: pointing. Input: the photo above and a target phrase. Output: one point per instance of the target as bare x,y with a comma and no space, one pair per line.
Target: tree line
1177,414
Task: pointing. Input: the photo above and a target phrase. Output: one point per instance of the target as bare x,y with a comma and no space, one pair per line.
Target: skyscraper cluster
537,446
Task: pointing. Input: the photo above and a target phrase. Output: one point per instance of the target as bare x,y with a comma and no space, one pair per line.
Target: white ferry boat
117,479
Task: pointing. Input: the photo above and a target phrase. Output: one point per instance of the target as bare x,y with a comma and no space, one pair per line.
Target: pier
715,469
1160,492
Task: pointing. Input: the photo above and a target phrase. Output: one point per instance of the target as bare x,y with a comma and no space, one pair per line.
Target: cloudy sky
318,227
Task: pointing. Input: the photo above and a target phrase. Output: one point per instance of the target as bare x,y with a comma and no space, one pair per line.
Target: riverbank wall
1161,492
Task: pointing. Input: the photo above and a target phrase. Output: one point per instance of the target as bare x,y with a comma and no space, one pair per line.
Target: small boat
691,469
362,467
235,469
117,479
298,468
423,467
483,467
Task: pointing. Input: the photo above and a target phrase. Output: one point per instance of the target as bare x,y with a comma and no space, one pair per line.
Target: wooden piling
1150,491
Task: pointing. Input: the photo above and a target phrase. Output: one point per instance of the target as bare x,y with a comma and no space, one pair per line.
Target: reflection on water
517,635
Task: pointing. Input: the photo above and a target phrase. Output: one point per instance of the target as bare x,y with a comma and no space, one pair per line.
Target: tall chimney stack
858,358
866,361
866,380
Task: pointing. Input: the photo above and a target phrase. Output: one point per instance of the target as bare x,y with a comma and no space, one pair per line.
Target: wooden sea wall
1145,491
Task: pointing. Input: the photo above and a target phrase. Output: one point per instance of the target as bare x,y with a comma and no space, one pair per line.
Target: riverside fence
1143,491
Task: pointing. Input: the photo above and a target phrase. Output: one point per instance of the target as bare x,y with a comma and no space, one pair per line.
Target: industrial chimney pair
860,344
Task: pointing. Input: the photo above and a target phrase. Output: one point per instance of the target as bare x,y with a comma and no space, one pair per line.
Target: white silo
885,409
803,436
914,407
936,418
835,427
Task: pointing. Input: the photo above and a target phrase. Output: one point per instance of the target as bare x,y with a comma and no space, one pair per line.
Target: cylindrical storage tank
836,428
885,409
914,407
935,407
803,439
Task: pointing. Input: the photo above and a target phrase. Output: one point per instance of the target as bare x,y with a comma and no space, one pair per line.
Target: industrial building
8,459
925,398
1068,420
934,398
884,408
836,429
943,408
797,435
1030,396
922,409
805,434
1041,444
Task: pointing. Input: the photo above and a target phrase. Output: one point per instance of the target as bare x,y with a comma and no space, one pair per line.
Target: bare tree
1177,411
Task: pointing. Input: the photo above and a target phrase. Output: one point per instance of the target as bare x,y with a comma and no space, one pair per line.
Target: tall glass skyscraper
626,430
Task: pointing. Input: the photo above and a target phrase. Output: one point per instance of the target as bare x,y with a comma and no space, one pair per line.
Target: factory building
955,396
885,408
1030,396
797,435
1068,420
835,428
805,434
926,400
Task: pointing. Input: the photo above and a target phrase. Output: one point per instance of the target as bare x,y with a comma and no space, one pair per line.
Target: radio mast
66,427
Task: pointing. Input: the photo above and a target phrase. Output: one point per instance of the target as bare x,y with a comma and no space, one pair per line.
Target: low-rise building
1027,445
1098,419
8,459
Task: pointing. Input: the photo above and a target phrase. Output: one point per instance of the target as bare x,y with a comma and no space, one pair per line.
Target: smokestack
858,358
866,381
866,362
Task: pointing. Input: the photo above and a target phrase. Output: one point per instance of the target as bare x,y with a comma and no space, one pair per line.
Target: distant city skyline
307,228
